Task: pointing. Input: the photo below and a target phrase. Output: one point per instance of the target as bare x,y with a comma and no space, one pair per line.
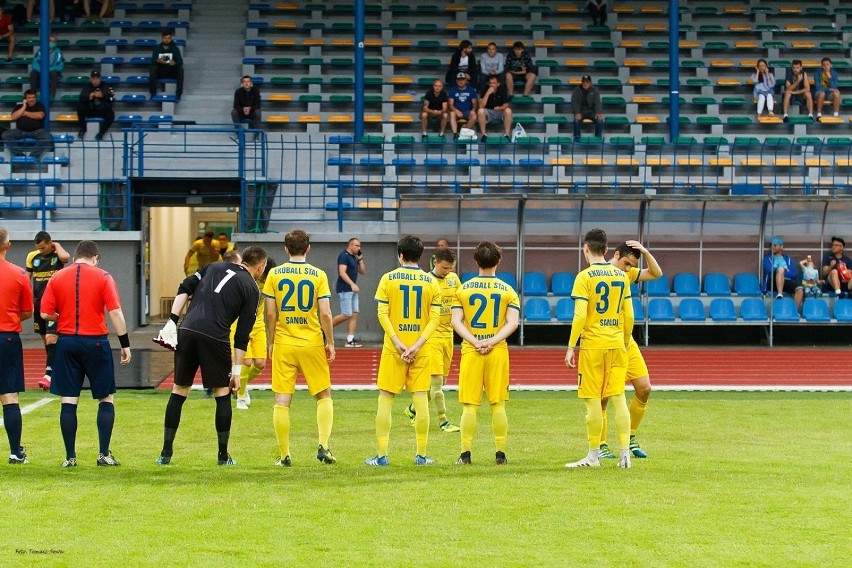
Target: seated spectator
246,104
780,274
95,101
825,86
519,67
837,270
797,89
810,278
166,63
7,32
29,123
462,101
586,105
463,61
57,65
435,107
31,4
493,106
491,63
597,8
764,88
104,8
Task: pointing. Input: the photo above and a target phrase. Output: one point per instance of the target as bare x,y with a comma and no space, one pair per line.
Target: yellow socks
637,412
468,426
325,419
436,393
281,423
247,375
603,426
499,425
622,420
421,422
594,418
383,424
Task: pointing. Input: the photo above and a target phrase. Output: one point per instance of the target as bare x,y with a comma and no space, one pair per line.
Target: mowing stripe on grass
30,407
553,388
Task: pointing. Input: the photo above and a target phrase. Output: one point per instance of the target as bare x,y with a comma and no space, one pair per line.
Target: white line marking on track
30,407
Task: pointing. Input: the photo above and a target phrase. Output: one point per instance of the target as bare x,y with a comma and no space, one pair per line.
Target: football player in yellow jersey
626,257
409,308
299,331
485,313
440,344
603,315
255,357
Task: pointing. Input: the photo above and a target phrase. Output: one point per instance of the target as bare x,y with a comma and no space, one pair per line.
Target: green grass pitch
733,479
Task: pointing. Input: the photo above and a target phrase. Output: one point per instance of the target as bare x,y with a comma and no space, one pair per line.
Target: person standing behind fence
246,103
76,299
764,88
350,263
16,305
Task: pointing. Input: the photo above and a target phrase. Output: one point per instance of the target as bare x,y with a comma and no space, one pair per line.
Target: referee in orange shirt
76,298
16,304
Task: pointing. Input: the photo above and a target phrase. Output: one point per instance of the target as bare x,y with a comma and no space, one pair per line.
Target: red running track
685,367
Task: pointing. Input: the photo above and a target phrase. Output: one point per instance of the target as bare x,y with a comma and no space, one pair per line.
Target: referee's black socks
106,420
13,424
172,421
68,425
223,423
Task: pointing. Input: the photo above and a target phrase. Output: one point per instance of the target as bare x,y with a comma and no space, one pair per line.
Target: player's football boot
635,449
324,455
585,462
44,383
248,398
447,427
377,460
283,462
624,460
464,459
423,460
500,458
606,453
410,414
164,460
241,404
69,462
228,460
20,458
107,460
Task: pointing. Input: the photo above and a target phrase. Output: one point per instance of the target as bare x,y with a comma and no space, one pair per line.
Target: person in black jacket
246,103
586,105
463,61
95,101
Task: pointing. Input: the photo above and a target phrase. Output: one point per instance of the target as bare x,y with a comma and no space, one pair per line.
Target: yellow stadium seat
831,119
285,25
648,120
803,45
721,63
770,120
626,161
688,44
401,80
65,118
401,118
739,28
721,162
457,26
657,161
795,28
287,7
573,43
309,118
313,41
656,28
735,9
635,63
456,8
595,162
567,9
817,162
400,43
399,61
640,99
339,118
569,27
745,44
786,163
372,118
752,161
639,81
284,42
277,118
562,161
651,9
843,162
340,42
631,44
544,43
576,63
402,98
691,161
622,9
627,27
790,10
728,82
279,97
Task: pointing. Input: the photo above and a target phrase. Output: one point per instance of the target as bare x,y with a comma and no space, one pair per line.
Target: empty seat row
715,284
723,310
537,310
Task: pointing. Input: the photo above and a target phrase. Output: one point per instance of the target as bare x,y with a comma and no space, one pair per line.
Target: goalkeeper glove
168,336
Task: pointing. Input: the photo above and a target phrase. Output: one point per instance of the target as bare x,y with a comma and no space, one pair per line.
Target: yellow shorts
395,374
288,360
601,372
489,372
636,367
257,345
441,354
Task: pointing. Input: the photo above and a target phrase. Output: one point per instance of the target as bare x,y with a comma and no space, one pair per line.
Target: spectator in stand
166,63
7,32
780,274
797,89
491,64
31,4
95,101
494,106
519,67
463,61
810,278
586,105
29,123
435,107
104,6
246,104
764,88
57,65
597,8
825,85
463,102
837,270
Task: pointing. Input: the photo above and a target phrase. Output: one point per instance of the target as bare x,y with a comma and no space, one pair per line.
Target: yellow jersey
297,288
409,305
485,301
602,291
448,284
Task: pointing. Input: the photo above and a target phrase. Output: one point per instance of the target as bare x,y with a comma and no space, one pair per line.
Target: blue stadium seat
747,284
565,309
534,284
562,283
658,287
634,290
638,312
843,310
784,310
537,309
686,284
753,309
815,310
722,309
508,278
691,309
717,284
467,276
660,309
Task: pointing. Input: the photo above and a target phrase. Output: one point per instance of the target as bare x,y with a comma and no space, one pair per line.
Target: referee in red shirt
76,298
16,304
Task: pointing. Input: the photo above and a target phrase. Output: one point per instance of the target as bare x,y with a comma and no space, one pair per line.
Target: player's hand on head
636,245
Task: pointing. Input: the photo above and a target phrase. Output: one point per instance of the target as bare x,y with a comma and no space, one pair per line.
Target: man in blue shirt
463,102
826,87
350,263
780,274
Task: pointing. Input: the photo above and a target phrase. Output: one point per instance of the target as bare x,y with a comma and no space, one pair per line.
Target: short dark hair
487,255
824,59
445,255
232,256
42,237
839,240
29,92
245,77
410,248
626,250
297,242
209,233
597,241
518,44
167,32
349,242
254,255
464,44
87,249
796,62
270,264
490,43
223,233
